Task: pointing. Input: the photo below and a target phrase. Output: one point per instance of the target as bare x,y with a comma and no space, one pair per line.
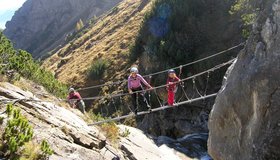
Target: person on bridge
135,81
75,100
172,82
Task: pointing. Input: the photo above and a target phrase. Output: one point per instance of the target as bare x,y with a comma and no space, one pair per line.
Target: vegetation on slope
247,11
98,68
21,62
17,136
108,37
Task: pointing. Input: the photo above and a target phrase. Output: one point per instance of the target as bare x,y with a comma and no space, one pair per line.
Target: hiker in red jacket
75,100
172,82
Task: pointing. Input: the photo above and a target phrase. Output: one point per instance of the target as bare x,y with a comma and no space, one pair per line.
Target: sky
7,10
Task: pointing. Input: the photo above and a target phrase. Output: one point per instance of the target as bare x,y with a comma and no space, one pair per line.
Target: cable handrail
164,71
165,85
124,94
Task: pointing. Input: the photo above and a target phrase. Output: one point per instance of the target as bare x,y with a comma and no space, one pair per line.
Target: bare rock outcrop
68,134
244,123
138,146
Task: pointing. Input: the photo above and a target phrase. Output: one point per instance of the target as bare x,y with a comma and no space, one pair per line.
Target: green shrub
9,109
16,139
23,63
46,149
247,12
16,133
126,133
98,69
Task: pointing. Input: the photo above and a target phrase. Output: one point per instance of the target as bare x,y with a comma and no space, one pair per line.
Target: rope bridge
185,99
153,110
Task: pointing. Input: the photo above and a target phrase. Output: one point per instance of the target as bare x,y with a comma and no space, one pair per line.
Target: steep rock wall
244,122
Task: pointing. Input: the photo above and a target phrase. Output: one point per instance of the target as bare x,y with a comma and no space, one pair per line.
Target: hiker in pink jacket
135,81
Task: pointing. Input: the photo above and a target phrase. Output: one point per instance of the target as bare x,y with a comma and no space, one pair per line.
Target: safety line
153,110
164,71
162,86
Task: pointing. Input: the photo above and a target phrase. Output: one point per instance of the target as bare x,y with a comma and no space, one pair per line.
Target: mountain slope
40,26
109,39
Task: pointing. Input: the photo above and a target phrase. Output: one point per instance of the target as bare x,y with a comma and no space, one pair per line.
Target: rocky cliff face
245,122
39,26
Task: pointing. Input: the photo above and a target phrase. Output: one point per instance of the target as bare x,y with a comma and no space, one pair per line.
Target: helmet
134,70
71,90
171,71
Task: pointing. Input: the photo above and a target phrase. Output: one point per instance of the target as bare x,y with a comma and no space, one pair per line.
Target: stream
193,145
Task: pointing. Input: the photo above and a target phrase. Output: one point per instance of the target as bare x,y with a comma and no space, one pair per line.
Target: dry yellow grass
110,38
31,151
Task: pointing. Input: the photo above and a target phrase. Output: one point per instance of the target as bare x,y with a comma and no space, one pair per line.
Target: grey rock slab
139,146
68,134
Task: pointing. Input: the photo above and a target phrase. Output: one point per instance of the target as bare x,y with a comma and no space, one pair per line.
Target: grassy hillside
110,38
